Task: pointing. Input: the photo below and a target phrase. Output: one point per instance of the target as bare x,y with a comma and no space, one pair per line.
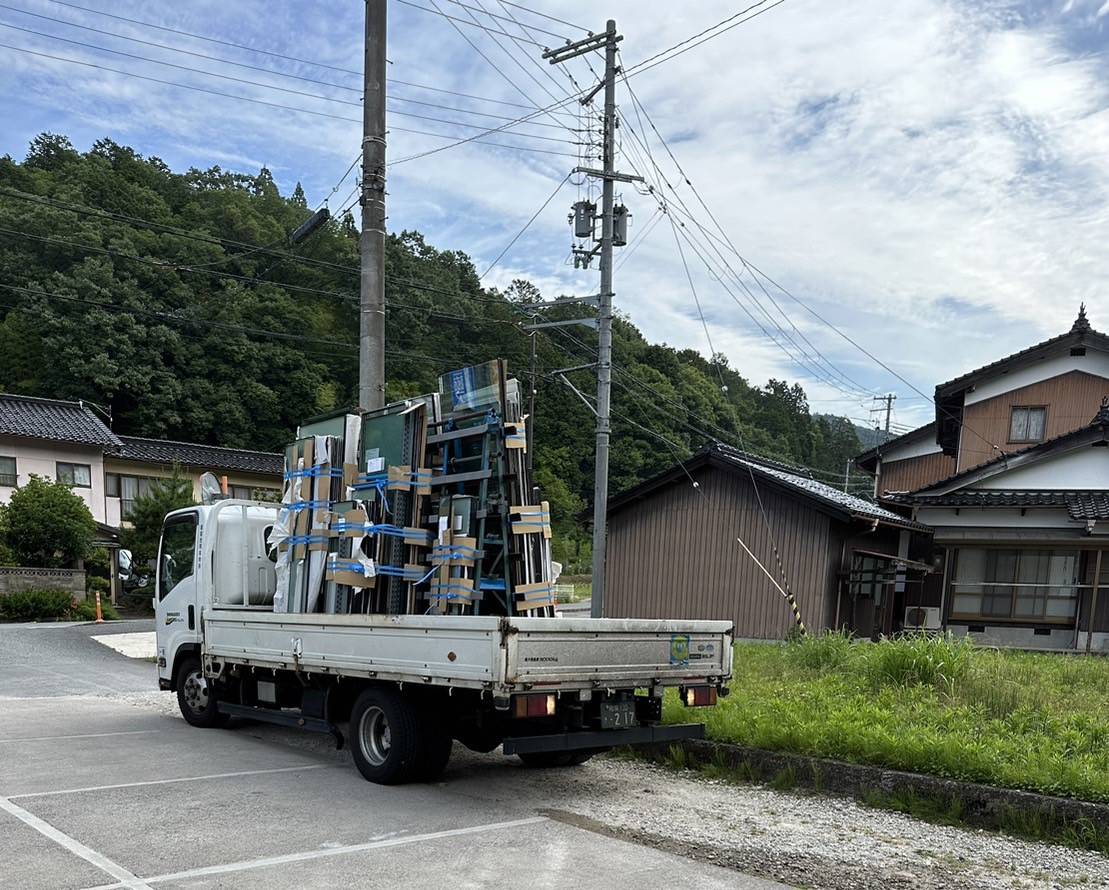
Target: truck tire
437,752
196,695
386,738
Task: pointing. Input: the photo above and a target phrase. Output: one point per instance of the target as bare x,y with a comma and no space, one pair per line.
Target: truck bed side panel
603,651
458,651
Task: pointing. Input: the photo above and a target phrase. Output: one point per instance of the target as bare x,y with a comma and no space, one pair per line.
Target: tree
149,512
46,525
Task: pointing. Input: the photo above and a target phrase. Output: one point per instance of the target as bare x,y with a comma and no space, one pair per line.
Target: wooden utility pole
371,316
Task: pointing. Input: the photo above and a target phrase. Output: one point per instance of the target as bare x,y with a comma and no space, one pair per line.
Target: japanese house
1013,476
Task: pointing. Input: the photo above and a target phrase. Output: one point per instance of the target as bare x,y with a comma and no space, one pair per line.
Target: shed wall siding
674,554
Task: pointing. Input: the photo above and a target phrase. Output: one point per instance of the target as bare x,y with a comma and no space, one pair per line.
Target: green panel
383,436
325,426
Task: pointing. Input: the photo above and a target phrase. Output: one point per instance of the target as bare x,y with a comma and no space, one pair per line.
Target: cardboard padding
399,478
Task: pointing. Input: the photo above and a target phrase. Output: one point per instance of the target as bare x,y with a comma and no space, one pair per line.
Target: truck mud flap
606,738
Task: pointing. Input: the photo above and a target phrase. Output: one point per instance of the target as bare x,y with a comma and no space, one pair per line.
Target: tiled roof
832,497
1079,504
1080,332
54,420
207,457
884,447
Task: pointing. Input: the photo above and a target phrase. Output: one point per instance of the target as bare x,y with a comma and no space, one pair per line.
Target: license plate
617,715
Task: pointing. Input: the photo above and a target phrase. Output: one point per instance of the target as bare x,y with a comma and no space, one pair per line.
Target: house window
1015,585
1026,424
76,475
8,476
254,493
127,489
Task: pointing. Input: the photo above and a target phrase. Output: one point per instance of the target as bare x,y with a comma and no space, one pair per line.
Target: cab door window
175,562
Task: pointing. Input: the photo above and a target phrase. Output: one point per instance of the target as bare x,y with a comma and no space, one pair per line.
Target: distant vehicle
553,691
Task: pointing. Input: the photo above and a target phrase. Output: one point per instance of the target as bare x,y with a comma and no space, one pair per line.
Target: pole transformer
371,315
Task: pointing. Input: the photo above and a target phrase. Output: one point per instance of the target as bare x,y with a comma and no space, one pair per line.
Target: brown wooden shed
673,550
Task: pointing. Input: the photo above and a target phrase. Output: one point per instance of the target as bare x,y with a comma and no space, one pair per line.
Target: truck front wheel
196,695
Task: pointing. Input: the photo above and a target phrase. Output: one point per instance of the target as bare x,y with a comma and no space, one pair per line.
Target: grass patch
924,704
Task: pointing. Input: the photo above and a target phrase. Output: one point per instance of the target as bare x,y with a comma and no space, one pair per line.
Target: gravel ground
799,839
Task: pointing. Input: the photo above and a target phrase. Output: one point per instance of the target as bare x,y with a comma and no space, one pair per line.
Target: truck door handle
192,617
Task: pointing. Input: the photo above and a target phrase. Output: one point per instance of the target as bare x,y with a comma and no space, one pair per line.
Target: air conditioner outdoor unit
922,618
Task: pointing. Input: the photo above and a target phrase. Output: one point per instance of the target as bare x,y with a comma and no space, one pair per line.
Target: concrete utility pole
371,316
604,330
889,400
608,41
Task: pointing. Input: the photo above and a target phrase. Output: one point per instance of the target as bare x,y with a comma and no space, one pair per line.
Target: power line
506,19
277,55
207,39
527,225
544,15
490,62
820,374
288,90
670,53
187,52
456,19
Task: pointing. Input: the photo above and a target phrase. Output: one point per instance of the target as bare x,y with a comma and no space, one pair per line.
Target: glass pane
967,604
970,566
82,475
129,486
176,558
1018,428
7,472
1036,423
111,485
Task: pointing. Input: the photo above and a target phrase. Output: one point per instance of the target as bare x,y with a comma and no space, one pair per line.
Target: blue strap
314,472
357,568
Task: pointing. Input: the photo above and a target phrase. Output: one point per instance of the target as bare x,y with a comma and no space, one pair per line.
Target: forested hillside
175,299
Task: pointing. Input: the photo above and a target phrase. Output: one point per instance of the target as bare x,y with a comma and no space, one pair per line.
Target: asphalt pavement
103,785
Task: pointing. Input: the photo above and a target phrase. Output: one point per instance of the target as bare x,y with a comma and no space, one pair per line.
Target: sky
927,179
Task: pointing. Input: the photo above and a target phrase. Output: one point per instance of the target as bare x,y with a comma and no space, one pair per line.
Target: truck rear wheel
395,740
196,695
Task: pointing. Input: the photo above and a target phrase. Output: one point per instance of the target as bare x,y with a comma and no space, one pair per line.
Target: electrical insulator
620,220
585,212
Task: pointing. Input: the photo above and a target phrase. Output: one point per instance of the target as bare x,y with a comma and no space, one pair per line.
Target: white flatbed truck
553,691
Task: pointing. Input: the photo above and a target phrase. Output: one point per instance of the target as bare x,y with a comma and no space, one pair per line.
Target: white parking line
245,772
309,855
125,878
87,735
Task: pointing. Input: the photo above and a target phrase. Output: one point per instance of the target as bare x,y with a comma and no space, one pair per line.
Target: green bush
35,605
94,583
86,611
920,660
822,651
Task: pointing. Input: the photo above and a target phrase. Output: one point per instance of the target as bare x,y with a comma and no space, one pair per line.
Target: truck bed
484,652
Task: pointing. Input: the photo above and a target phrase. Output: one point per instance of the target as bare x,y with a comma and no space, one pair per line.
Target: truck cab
187,578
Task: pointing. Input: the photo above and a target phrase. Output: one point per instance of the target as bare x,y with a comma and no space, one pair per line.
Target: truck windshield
178,548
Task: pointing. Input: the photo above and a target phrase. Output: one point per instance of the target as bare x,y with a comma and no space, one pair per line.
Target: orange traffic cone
99,614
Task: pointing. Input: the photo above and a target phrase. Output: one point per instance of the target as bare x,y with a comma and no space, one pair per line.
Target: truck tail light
533,705
698,696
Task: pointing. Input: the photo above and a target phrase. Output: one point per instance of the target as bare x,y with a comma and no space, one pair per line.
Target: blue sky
930,177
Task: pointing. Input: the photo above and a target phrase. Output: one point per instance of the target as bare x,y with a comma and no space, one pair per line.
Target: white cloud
930,175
